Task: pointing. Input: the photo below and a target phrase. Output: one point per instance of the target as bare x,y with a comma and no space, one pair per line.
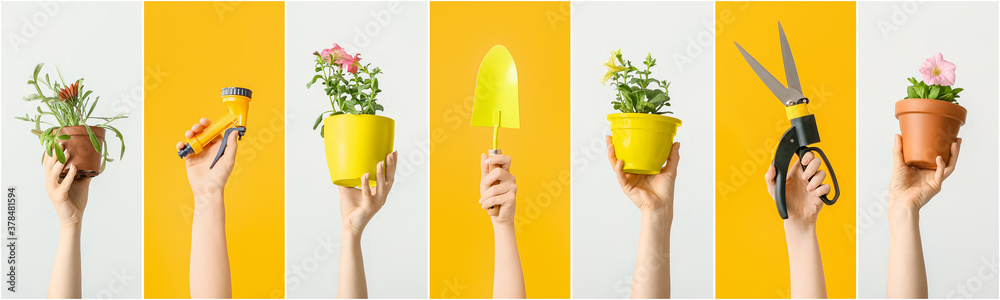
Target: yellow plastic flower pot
355,144
643,141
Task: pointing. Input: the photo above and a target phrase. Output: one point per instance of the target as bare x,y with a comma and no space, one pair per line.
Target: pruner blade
772,83
791,74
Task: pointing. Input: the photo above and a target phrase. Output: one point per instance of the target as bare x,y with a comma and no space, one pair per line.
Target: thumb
769,178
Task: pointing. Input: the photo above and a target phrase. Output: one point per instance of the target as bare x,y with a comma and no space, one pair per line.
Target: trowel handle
494,210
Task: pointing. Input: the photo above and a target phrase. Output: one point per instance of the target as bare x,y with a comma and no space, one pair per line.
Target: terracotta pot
928,128
81,151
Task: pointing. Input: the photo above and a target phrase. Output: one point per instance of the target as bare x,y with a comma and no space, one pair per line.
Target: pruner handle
494,210
787,147
829,168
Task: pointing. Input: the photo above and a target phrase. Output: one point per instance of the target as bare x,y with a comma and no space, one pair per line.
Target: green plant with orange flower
68,105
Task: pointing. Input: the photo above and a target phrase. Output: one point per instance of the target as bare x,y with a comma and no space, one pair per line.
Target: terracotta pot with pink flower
64,122
930,117
356,139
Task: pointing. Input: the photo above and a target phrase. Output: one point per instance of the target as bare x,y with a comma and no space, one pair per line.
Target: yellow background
751,256
193,50
461,234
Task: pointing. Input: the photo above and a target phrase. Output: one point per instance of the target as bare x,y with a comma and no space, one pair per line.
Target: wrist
799,228
208,193
70,227
902,212
349,237
659,217
502,226
208,200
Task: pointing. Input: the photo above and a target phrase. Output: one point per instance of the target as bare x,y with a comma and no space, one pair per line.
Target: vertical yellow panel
751,256
537,35
192,50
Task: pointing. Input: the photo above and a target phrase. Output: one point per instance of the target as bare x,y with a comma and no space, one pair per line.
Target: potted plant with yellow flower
642,135
930,117
65,113
356,139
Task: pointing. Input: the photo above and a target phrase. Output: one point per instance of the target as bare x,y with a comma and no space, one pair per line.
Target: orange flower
70,92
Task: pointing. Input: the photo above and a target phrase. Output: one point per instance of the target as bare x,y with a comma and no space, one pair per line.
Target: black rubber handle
787,147
225,140
836,185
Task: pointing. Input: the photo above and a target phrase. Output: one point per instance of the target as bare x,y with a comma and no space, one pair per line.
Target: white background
101,42
959,226
393,36
605,222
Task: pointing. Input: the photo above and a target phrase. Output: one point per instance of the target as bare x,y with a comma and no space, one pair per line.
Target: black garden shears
803,132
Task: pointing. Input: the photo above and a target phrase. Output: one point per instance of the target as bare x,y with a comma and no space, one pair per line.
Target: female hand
68,196
648,192
205,181
358,206
504,193
912,188
802,189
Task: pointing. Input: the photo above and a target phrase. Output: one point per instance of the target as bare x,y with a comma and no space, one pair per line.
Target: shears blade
772,83
791,74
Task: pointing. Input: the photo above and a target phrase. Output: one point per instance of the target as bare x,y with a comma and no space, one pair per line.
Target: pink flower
350,64
334,54
936,70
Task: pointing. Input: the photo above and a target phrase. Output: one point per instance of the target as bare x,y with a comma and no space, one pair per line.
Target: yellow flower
612,68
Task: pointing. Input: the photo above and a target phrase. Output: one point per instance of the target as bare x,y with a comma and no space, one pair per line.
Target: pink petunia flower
334,54
936,70
350,64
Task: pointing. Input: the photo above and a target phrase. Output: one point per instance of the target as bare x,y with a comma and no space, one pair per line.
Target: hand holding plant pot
357,207
356,139
69,197
929,116
641,134
70,108
654,196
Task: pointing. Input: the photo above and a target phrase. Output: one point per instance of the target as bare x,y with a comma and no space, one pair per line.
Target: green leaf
320,119
659,99
934,92
93,139
322,129
38,68
118,134
104,156
59,153
62,137
317,77
92,105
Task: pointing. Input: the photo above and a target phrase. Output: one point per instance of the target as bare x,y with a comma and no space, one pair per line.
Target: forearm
351,283
209,277
508,279
907,275
652,264
64,282
804,261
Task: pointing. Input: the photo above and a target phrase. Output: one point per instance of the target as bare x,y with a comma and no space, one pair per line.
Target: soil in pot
643,141
81,151
928,127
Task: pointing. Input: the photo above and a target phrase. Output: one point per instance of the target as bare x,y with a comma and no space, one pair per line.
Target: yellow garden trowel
495,103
